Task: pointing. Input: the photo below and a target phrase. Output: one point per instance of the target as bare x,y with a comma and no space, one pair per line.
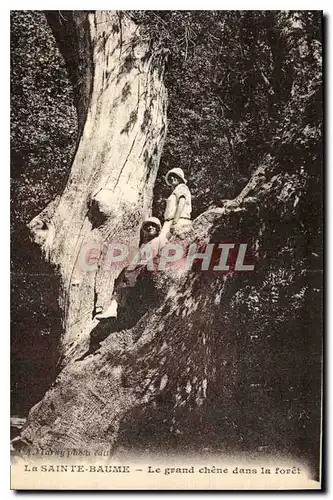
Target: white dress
184,222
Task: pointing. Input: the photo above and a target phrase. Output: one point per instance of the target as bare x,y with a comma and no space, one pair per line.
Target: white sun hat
178,172
153,220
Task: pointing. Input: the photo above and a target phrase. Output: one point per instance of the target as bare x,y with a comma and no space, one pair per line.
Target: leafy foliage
244,87
43,139
43,118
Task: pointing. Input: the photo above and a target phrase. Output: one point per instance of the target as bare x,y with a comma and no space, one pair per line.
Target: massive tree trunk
176,361
109,190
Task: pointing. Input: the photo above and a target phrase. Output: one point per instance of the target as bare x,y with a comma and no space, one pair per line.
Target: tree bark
110,186
181,350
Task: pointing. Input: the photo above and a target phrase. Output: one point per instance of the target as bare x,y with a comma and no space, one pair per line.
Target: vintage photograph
166,249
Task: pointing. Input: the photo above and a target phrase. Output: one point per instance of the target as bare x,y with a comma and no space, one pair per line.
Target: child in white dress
177,215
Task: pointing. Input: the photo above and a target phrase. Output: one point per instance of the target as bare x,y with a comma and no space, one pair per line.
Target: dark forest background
244,89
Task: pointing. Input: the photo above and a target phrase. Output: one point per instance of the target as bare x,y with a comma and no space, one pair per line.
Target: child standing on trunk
151,243
177,215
